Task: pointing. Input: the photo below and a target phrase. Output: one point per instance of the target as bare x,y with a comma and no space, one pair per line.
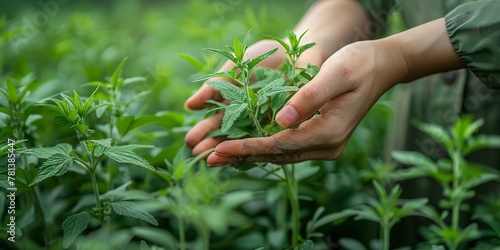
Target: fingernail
288,116
217,159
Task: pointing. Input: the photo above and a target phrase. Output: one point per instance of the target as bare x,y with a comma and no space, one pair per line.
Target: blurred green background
70,43
65,44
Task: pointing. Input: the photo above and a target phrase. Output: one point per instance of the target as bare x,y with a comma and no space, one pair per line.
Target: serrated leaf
224,53
130,209
56,165
260,58
437,132
227,90
232,113
226,74
415,159
44,153
278,101
239,49
272,89
103,142
73,226
124,154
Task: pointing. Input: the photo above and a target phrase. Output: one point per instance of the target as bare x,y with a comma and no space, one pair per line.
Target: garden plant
92,150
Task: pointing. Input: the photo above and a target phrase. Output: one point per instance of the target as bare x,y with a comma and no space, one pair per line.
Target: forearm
426,49
332,24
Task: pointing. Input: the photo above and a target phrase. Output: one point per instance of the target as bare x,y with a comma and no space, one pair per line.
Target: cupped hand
346,87
196,137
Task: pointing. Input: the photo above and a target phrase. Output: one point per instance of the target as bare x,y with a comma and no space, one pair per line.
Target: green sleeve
474,31
379,12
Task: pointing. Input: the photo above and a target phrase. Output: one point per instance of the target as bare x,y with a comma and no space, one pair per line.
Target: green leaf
224,53
481,142
351,244
280,41
56,165
130,209
273,92
144,245
124,154
239,49
77,102
305,47
226,74
73,226
329,218
278,101
415,159
103,142
11,92
227,90
116,74
44,153
293,39
167,120
231,114
87,106
411,205
192,60
437,132
30,86
260,58
307,245
123,124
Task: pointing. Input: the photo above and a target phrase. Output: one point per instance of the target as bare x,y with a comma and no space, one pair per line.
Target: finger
219,159
201,130
199,99
207,144
306,138
310,98
312,56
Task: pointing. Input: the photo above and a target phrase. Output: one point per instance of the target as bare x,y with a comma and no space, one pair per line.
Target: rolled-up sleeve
474,31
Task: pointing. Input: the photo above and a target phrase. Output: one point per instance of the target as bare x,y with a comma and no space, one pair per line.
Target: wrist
426,49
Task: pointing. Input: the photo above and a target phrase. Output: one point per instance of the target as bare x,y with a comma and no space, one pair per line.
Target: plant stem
257,124
182,236
455,213
385,236
293,197
95,187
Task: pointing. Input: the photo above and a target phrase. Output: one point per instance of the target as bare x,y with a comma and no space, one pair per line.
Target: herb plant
455,174
260,101
89,154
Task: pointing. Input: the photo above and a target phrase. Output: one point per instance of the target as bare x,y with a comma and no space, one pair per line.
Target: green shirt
474,31
473,28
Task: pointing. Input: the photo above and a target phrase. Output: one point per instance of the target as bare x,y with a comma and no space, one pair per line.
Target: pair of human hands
343,91
348,84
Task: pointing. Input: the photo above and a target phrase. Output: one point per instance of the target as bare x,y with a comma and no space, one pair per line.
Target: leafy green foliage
124,154
457,177
73,226
262,101
130,209
56,165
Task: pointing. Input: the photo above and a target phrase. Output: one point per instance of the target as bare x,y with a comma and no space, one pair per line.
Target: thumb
314,95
